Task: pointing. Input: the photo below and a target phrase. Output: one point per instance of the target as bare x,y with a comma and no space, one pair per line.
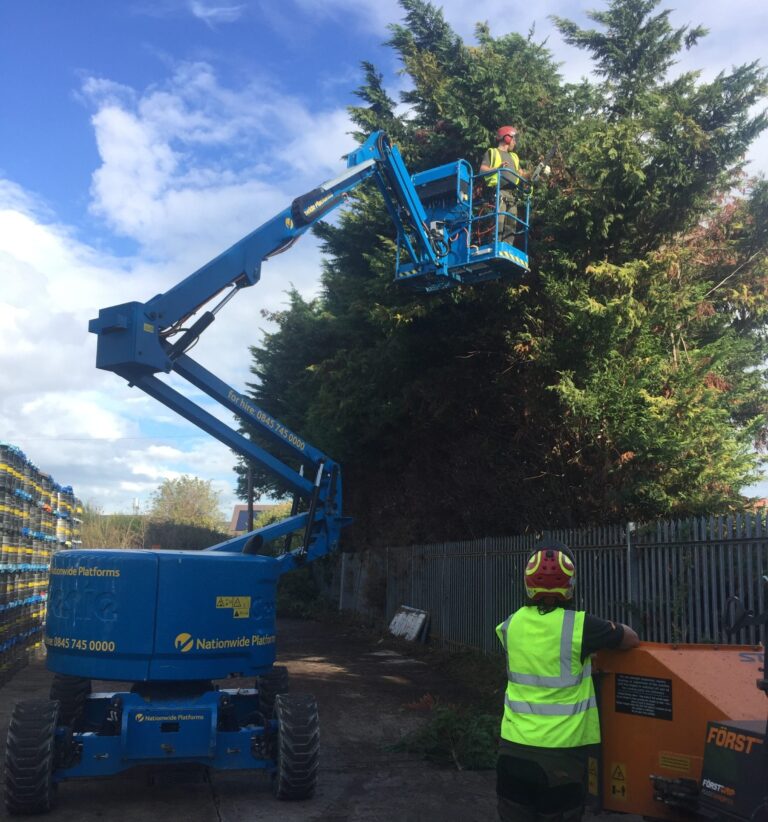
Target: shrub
464,738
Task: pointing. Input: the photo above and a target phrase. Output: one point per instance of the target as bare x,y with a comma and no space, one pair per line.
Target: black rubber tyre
72,692
269,686
298,746
30,752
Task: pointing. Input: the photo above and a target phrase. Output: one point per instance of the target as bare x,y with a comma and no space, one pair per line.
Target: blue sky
139,139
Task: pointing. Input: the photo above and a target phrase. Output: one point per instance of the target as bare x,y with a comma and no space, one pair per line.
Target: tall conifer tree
623,378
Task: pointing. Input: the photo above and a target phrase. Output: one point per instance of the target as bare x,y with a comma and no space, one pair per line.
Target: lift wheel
269,686
30,757
298,746
72,693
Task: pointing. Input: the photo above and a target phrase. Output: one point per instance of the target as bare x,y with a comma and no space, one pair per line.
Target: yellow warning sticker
592,770
675,762
241,606
619,781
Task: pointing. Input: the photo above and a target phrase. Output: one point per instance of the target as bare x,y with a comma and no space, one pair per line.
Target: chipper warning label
644,696
619,780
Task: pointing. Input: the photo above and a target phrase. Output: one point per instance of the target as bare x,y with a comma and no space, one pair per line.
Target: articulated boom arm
240,265
433,215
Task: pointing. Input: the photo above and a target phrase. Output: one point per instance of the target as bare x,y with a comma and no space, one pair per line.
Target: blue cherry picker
173,622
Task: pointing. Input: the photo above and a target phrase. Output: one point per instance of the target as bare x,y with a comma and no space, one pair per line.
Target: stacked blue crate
37,517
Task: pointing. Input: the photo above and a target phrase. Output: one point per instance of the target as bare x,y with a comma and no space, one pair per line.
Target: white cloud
51,286
164,452
69,418
211,13
187,167
190,167
82,415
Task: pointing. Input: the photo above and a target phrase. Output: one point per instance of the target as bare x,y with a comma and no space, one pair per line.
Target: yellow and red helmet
550,574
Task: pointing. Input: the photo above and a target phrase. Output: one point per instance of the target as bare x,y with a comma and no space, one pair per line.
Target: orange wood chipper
684,731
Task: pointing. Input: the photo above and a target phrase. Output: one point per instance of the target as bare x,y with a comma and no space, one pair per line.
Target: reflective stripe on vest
550,710
550,699
502,634
566,678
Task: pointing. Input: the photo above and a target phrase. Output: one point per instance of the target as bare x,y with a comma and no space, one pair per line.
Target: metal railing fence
668,580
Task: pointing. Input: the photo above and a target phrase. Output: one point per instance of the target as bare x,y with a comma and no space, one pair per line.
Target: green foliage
100,530
451,736
634,53
624,377
189,501
299,595
282,545
179,536
276,514
142,531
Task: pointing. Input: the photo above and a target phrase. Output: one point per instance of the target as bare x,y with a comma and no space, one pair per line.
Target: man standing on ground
550,716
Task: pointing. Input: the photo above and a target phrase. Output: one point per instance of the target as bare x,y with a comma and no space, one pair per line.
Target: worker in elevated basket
550,716
503,156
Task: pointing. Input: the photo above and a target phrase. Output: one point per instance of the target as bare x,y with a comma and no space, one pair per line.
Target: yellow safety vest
495,157
550,699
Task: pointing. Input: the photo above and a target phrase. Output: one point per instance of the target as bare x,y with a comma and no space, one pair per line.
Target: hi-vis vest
495,157
550,699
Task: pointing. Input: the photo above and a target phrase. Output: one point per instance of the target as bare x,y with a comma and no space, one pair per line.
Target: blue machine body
172,621
465,211
170,730
147,616
447,234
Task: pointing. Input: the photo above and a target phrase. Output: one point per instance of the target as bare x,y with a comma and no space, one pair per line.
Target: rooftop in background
239,522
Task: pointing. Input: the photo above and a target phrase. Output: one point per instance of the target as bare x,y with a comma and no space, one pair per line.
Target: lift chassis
171,623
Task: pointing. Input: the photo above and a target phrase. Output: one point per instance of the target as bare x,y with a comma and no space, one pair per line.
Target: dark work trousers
529,793
508,225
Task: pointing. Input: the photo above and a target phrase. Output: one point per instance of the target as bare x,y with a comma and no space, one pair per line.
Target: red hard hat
550,574
506,133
